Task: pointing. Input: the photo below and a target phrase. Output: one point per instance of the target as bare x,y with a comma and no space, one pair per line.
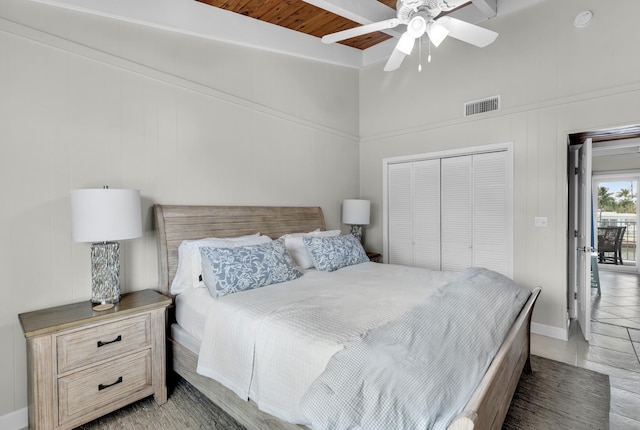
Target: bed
486,407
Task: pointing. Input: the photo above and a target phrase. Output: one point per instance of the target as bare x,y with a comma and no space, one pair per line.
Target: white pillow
297,250
190,260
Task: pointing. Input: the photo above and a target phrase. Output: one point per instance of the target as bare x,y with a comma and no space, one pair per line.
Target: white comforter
271,343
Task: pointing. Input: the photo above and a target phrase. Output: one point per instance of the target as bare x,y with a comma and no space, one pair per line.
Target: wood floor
614,348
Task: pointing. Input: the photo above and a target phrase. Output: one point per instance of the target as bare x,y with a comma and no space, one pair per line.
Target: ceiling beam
489,8
362,11
196,18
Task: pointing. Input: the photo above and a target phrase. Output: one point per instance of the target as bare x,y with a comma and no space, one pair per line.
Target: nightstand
374,256
82,364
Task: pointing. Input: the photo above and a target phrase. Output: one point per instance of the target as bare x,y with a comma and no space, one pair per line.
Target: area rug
555,396
559,396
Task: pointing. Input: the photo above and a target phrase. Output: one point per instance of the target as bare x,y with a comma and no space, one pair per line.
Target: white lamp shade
105,214
437,33
356,212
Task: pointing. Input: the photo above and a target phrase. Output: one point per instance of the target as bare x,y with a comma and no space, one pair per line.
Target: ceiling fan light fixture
437,33
405,44
417,26
420,17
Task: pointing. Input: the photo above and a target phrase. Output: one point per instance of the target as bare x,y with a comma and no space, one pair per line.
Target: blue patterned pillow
333,253
229,270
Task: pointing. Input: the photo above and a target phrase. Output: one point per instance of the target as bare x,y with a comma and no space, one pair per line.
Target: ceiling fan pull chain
429,56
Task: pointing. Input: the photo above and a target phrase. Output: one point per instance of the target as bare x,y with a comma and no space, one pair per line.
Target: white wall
554,79
87,101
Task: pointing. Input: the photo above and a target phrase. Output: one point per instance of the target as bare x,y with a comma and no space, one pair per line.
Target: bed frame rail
489,404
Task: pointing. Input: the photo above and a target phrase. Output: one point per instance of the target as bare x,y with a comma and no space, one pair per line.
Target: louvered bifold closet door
490,232
456,213
400,207
426,214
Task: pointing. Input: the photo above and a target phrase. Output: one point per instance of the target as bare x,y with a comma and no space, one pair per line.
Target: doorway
582,230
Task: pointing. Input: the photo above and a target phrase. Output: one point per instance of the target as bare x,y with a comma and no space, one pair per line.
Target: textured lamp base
357,231
103,307
105,273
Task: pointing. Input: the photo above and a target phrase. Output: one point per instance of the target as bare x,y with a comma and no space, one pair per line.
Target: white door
414,213
438,206
400,213
491,218
572,240
457,213
584,235
426,214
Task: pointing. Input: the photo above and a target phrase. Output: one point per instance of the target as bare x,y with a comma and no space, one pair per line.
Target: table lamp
356,212
103,216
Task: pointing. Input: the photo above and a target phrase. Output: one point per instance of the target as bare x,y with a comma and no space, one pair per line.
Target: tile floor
619,303
614,348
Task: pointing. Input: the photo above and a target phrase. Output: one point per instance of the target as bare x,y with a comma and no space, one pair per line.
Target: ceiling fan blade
395,60
466,32
359,31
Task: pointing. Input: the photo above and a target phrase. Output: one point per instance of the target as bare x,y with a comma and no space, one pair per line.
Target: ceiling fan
420,17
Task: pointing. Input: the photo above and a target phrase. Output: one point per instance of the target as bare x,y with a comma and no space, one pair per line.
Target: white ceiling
198,19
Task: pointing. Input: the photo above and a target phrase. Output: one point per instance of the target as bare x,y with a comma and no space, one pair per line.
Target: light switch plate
541,221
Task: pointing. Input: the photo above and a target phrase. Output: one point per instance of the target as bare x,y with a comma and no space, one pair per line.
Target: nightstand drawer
94,344
86,391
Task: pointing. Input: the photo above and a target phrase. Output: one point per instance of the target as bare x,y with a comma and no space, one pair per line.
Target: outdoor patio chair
610,242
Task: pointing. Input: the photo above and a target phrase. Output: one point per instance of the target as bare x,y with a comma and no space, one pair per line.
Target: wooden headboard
177,223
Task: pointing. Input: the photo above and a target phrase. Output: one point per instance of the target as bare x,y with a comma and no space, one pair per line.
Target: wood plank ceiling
304,17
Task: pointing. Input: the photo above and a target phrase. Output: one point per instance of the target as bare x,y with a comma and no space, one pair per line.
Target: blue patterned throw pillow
333,253
229,270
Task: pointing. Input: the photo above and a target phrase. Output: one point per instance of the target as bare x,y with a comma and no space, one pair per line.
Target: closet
450,210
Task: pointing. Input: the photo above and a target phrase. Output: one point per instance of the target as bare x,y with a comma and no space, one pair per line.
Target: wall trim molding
548,104
39,36
550,331
15,420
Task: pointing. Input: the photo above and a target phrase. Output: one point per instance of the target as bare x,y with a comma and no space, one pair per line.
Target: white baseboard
550,331
15,420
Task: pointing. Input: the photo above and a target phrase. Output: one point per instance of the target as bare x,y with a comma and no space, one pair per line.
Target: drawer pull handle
117,339
102,386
